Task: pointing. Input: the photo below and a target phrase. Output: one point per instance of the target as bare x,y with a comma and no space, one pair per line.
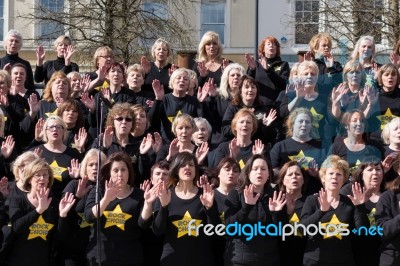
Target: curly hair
118,109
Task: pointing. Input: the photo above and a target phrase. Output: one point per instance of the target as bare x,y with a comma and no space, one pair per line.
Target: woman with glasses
57,154
103,58
34,217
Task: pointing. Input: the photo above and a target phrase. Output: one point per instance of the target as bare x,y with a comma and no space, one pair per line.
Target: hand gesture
80,139
88,101
201,152
34,104
38,152
164,194
68,54
150,193
323,200
4,100
225,63
102,72
313,168
203,70
300,89
7,67
146,144
172,69
258,147
4,188
202,181
272,115
234,149
308,56
395,59
7,146
145,64
202,93
339,92
157,142
358,194
143,185
291,87
263,62
388,161
371,95
83,188
249,197
40,55
207,198
277,202
158,90
329,60
66,204
112,191
149,103
250,61
173,148
43,200
74,169
108,136
85,83
106,94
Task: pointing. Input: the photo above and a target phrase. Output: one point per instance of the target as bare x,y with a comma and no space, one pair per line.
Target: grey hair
15,33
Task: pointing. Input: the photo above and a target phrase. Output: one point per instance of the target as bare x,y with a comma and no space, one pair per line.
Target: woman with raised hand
337,214
65,50
210,63
177,206
391,139
370,175
160,69
270,72
119,210
292,180
103,58
33,217
254,202
74,229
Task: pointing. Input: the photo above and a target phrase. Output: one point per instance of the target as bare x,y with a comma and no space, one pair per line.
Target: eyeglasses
126,119
54,128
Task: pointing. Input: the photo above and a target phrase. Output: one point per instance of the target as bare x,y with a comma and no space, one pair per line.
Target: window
49,30
213,17
307,17
155,11
158,10
1,20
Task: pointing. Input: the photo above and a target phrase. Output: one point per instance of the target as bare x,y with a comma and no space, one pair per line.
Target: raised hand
202,181
172,69
250,61
395,59
207,198
249,197
112,191
145,64
34,105
108,135
4,100
146,144
371,95
202,93
173,148
149,103
157,142
4,188
80,139
83,188
7,67
150,193
234,149
203,70
88,101
323,200
277,202
272,115
329,60
308,56
339,92
388,161
312,168
201,152
358,194
66,204
7,146
258,147
43,200
164,194
225,63
106,94
85,83
74,169
68,54
143,185
38,152
40,55
158,90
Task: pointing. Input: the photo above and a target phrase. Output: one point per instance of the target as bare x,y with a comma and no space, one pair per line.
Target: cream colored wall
242,23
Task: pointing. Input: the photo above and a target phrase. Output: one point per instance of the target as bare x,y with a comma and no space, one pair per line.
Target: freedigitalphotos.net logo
249,231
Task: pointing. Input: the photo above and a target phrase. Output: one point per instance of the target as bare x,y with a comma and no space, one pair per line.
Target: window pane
214,27
299,5
213,18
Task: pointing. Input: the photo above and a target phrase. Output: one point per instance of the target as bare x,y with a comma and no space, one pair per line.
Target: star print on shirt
116,218
386,118
301,157
295,219
241,164
52,113
171,118
316,117
57,170
83,223
182,225
40,229
371,217
335,222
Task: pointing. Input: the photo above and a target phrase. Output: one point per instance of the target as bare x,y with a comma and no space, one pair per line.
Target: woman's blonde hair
208,37
47,94
34,167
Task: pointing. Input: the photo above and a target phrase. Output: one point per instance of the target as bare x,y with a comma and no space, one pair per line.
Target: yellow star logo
171,118
104,86
371,217
386,118
335,222
295,219
5,118
83,223
222,217
241,164
40,229
116,217
316,117
57,170
51,113
182,225
355,167
277,68
301,157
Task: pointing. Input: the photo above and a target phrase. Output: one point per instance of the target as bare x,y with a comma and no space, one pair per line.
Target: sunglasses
126,119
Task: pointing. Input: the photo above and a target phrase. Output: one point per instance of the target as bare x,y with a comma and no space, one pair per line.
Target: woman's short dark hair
282,174
244,180
179,161
213,173
72,104
117,157
373,161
